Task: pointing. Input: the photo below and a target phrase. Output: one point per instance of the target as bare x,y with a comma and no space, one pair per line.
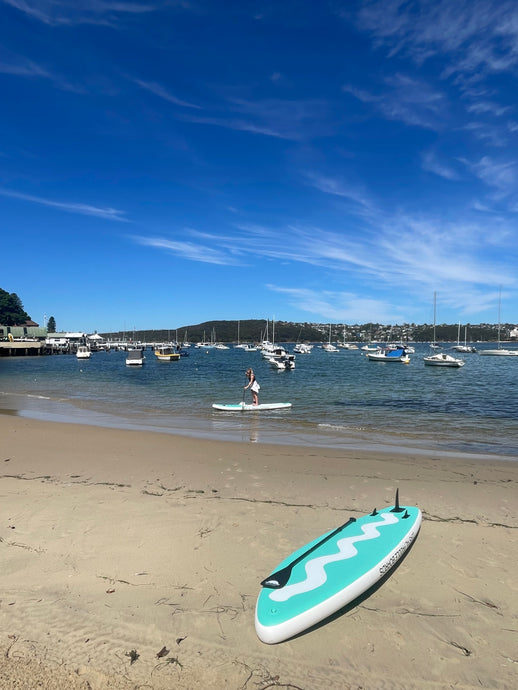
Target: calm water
339,400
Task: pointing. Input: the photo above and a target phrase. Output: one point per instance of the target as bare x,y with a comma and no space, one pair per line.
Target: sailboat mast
434,314
499,308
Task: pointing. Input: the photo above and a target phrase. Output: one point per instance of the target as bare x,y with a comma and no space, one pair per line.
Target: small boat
329,347
135,357
83,352
284,362
409,349
500,351
345,345
167,354
384,355
441,359
303,348
463,348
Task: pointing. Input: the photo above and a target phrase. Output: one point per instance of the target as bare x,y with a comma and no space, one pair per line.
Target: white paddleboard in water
242,407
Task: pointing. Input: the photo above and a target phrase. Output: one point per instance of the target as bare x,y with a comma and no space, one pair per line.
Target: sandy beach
133,560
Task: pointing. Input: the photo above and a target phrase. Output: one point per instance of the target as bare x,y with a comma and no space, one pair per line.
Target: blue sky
173,161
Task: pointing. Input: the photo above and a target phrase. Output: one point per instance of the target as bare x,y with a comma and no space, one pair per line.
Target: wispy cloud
405,99
347,307
191,251
338,187
19,66
469,42
431,163
163,93
478,35
72,12
295,120
500,175
82,209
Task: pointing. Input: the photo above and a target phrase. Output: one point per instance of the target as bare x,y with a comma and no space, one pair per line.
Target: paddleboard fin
374,512
406,515
397,508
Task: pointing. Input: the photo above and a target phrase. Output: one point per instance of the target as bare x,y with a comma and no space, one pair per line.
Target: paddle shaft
281,577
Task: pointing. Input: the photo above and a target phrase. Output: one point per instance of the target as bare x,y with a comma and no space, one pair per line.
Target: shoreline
224,429
120,541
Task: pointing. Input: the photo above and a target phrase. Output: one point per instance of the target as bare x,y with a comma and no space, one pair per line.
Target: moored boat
387,355
83,352
135,357
167,354
442,359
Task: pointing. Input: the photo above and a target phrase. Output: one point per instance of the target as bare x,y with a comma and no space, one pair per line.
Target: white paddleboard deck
242,407
333,570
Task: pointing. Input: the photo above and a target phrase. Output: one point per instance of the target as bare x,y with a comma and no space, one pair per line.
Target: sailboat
502,352
441,359
329,347
463,348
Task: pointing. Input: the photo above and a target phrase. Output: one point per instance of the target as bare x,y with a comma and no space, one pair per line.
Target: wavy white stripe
315,568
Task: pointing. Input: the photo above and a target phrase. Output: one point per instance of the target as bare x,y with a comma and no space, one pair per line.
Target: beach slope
133,559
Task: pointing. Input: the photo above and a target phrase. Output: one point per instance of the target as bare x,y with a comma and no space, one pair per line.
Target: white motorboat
385,355
135,357
442,359
248,347
284,362
83,352
303,348
409,349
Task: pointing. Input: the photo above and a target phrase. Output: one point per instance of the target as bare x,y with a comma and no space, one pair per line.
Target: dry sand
133,560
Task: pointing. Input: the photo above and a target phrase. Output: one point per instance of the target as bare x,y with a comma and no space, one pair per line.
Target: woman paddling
253,385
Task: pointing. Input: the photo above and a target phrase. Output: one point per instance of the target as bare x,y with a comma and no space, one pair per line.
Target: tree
11,309
51,326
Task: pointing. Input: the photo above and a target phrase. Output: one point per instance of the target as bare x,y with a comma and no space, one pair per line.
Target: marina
344,401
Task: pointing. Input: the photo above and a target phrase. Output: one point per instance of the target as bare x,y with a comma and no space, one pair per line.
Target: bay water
340,400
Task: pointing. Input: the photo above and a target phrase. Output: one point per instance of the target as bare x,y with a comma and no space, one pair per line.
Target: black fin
397,508
406,515
374,512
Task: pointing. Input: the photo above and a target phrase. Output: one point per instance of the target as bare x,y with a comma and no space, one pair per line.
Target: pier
23,348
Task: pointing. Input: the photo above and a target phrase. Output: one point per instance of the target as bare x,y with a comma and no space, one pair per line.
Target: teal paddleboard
331,571
242,407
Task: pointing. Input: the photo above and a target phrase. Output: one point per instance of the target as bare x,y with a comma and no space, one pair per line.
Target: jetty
17,348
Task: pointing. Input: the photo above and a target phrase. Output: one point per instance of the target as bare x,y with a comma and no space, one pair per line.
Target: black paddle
280,578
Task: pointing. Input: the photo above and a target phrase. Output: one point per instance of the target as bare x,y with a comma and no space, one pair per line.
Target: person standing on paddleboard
253,385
